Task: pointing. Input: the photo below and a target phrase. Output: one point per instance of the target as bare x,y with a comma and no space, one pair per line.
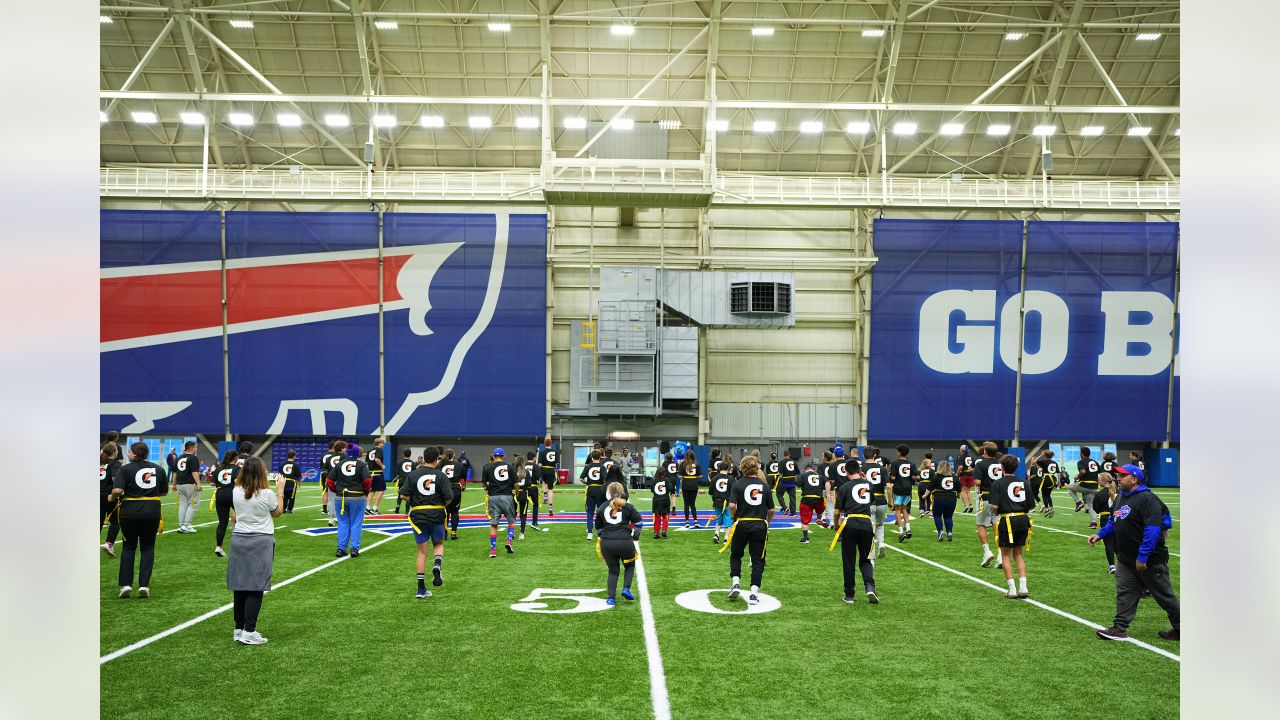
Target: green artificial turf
352,641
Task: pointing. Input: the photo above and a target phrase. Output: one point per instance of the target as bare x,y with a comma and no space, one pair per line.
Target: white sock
755,589
908,527
734,580
1011,584
986,549
1022,583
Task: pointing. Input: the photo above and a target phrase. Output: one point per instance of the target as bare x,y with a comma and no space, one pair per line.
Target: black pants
619,552
1109,543
453,509
290,489
222,503
689,493
855,555
925,496
138,532
593,503
246,605
751,536
107,509
944,507
1046,493
530,497
1129,584
787,498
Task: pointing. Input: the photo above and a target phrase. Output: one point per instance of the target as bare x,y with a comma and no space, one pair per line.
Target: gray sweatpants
1085,495
188,500
1129,584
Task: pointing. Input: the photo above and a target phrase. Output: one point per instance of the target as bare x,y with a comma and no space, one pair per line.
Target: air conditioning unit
760,298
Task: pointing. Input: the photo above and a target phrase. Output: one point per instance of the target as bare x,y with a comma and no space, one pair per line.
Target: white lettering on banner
317,408
977,352
1119,333
975,332
1055,321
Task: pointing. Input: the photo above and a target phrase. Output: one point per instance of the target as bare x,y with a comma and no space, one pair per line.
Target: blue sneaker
626,593
610,602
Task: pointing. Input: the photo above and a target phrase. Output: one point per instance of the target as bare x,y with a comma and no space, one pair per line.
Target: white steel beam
1115,92
142,62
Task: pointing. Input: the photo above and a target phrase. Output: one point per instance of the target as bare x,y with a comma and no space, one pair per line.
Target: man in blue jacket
1139,521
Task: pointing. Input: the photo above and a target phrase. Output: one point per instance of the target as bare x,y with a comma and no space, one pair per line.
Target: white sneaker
144,592
734,592
753,599
109,548
521,536
191,528
252,638
236,636
591,536
1111,569
987,557
124,591
1011,594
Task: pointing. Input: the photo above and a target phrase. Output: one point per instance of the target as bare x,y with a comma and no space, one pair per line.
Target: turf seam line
1042,606
657,676
218,611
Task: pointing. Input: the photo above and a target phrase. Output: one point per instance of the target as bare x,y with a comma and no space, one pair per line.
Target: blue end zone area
392,528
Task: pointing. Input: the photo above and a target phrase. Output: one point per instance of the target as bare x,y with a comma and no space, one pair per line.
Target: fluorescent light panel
998,130
386,24
1044,130
499,27
872,32
904,128
384,121
1014,35
1091,130
1147,36
431,121
105,20
1138,131
337,120
102,117
527,122
191,118
288,120
242,24
575,123
240,119
480,122
669,124
621,29
764,126
1177,133
718,125
762,31
811,126
858,127
623,124
952,128
144,117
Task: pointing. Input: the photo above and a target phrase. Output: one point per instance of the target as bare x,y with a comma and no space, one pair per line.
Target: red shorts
807,511
966,481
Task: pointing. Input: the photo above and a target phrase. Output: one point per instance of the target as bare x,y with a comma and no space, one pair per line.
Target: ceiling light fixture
622,124
904,128
242,24
105,20
762,31
102,116
1147,36
240,119
669,124
499,27
764,126
858,127
527,122
337,120
480,122
952,128
1138,131
872,32
1014,35
386,24
811,127
191,118
621,29
575,123
998,130
288,120
1091,130
1044,130
431,121
384,121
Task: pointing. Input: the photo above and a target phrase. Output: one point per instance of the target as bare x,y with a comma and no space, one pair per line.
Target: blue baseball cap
838,450
498,452
1133,470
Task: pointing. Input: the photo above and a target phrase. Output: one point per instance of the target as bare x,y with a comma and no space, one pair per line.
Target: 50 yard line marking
657,676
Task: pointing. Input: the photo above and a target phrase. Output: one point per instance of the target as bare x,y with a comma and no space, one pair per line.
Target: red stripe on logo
157,304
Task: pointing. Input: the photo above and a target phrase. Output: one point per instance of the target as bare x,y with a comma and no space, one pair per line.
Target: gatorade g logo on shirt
102,473
948,483
862,493
287,469
790,467
426,485
671,468
873,474
660,487
840,468
994,472
333,461
182,464
722,484
904,469
613,515
1016,491
1053,468
224,476
240,462
349,468
812,481
925,474
407,468
145,478
1093,466
593,475
754,494
501,473
1121,514
551,456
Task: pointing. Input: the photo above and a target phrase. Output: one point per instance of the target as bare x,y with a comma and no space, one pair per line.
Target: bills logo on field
1121,514
302,322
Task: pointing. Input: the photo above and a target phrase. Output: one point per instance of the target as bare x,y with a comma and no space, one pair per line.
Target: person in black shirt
593,474
986,471
663,479
902,473
855,534
1086,485
789,475
329,500
138,487
185,478
751,503
377,480
1048,480
924,476
1135,458
619,524
719,490
499,478
1102,505
109,506
457,474
773,472
964,469
224,479
349,481
1139,521
812,502
527,492
943,499
878,477
292,472
426,491
689,489
1012,501
403,467
547,472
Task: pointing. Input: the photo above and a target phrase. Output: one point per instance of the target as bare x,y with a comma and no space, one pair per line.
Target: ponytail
616,492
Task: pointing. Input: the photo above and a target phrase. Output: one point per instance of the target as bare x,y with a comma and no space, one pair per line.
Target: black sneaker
1112,633
872,597
903,538
340,553
423,593
948,537
437,576
1171,635
664,534
848,598
453,536
1079,506
804,541
355,552
510,551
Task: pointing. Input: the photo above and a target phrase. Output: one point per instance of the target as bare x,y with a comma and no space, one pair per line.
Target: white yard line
219,610
1040,524
1029,601
657,676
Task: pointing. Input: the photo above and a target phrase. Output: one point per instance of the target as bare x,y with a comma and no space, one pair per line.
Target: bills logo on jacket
459,292
1121,514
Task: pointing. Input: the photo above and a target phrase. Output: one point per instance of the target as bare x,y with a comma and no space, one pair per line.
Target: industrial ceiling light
811,127
718,125
337,120
1147,36
1138,131
242,24
762,31
1044,130
1015,35
1177,133
384,121
669,124
102,116
480,122
764,126
952,128
386,24
858,127
191,118
624,435
622,124
1091,130
288,120
105,20
144,117
431,121
872,32
499,27
622,29
527,122
240,119
575,123
904,128
998,129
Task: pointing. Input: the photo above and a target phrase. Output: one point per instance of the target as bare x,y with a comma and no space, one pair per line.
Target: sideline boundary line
657,676
1072,532
219,610
1042,606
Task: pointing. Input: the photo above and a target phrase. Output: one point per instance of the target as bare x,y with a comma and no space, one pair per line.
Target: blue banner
936,293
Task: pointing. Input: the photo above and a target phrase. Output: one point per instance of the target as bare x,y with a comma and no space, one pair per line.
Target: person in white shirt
253,545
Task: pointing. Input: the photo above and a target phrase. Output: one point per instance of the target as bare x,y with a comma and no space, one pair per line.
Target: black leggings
1046,494
619,552
751,536
855,556
138,531
222,503
944,506
926,497
246,605
290,490
787,498
452,510
530,497
107,509
689,493
1109,543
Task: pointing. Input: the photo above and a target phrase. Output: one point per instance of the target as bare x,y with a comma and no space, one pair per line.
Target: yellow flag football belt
159,530
1009,525
840,529
409,515
728,538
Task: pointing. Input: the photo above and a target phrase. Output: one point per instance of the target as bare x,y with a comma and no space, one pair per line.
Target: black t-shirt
835,472
875,473
661,489
456,472
720,484
1102,506
773,467
290,469
789,470
546,457
854,499
690,472
499,478
107,475
224,478
1130,516
329,462
348,475
527,480
1009,494
1088,469
186,469
986,471
810,485
965,465
615,524
426,486
374,459
404,468
141,479
593,474
902,471
613,471
1108,466
944,486
925,475
752,497
1048,470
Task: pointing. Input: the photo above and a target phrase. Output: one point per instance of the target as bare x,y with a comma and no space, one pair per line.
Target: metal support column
1022,329
1173,345
382,347
226,364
